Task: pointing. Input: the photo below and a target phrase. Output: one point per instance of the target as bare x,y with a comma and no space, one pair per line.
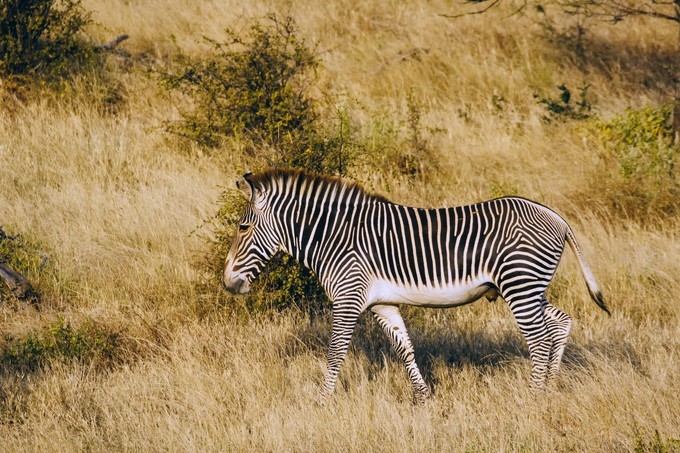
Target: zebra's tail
593,287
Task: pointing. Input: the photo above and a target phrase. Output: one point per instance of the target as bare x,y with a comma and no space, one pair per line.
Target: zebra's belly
451,295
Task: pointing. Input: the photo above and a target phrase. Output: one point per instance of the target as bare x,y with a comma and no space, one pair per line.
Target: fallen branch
18,284
112,44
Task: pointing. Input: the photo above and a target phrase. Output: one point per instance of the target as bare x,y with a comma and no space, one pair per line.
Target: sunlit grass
118,207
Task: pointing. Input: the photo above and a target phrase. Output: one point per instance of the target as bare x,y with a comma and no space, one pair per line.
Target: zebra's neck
320,218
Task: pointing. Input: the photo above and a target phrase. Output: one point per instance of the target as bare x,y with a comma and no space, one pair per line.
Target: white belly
383,291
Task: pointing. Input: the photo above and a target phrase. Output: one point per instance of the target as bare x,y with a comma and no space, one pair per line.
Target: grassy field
115,209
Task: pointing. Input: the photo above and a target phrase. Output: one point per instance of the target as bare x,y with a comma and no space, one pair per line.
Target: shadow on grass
634,63
433,345
584,356
486,351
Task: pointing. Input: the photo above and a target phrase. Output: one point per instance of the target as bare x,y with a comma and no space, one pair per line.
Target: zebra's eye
243,227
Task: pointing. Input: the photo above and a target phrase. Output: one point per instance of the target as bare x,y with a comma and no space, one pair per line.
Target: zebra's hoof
421,397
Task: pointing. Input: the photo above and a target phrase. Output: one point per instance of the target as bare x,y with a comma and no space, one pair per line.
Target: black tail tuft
599,300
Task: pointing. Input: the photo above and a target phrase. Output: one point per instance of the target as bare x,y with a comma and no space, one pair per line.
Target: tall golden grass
119,208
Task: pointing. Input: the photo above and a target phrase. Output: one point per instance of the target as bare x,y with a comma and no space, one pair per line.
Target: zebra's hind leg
558,324
389,318
529,314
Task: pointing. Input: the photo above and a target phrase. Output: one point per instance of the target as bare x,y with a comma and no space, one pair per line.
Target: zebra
371,254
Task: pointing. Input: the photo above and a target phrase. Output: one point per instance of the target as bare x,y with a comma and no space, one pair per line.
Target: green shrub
42,38
647,440
389,146
255,87
639,160
640,141
286,283
397,145
413,162
564,106
59,341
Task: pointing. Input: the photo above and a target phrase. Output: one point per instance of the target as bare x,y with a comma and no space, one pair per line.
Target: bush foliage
640,160
41,38
255,87
564,107
58,341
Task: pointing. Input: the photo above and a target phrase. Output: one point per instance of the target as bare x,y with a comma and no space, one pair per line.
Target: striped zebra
372,254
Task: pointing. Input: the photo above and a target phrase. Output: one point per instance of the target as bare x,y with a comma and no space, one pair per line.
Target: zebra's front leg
390,320
344,321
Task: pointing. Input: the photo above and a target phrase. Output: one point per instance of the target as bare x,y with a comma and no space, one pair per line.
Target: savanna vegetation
117,202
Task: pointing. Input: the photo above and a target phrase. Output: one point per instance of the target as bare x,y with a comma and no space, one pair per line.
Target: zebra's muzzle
236,286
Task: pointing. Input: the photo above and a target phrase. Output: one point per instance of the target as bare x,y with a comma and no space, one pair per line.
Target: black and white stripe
372,254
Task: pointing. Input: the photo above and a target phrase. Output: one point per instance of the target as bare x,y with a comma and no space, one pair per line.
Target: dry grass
115,203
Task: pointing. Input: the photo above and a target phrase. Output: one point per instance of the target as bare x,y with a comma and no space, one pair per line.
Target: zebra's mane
266,178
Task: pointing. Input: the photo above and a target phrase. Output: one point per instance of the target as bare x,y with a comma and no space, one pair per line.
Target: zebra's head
256,240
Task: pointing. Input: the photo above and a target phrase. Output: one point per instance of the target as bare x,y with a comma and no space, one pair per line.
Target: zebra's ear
244,186
255,193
